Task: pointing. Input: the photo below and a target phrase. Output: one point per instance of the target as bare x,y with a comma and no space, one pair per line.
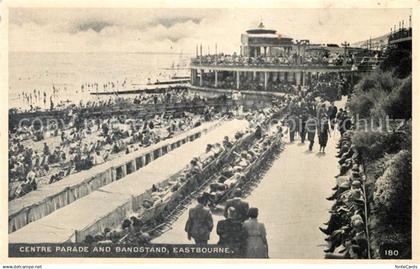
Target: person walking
332,114
310,127
256,245
200,223
302,125
231,232
324,132
292,123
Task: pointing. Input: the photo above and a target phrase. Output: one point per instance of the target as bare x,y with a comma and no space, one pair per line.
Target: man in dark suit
231,232
200,223
292,123
332,113
241,207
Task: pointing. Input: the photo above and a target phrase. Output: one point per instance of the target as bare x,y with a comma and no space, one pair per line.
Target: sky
181,30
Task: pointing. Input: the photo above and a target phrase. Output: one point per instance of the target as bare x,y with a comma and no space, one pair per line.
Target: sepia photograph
222,133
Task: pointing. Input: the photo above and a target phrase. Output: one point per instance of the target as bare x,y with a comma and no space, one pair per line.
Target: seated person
243,160
217,191
207,157
218,149
233,181
218,186
195,167
226,143
343,184
228,171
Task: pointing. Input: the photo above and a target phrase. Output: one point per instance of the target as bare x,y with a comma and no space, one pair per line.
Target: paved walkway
291,201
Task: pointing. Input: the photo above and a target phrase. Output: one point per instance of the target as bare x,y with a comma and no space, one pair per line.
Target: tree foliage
398,61
392,196
387,92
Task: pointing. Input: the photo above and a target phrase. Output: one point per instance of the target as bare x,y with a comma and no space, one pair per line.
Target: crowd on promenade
311,109
311,116
318,59
346,229
46,154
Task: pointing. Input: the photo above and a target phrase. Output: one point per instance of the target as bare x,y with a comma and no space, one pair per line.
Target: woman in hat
256,245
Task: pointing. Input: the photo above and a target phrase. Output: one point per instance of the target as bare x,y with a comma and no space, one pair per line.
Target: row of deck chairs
159,219
249,175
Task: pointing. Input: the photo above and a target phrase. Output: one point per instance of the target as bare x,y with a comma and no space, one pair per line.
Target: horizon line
116,51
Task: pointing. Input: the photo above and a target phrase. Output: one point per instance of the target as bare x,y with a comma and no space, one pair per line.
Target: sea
70,77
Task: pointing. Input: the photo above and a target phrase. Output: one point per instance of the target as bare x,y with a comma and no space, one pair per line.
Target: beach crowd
46,154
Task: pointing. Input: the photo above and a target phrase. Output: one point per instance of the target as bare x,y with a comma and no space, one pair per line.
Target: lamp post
201,52
299,45
345,44
215,52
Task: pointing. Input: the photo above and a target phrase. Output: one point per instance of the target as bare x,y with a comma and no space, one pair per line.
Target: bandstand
266,59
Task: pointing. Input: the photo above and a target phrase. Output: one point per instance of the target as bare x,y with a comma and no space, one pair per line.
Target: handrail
366,213
272,66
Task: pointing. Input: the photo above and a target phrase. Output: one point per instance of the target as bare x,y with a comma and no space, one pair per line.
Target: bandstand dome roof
261,30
